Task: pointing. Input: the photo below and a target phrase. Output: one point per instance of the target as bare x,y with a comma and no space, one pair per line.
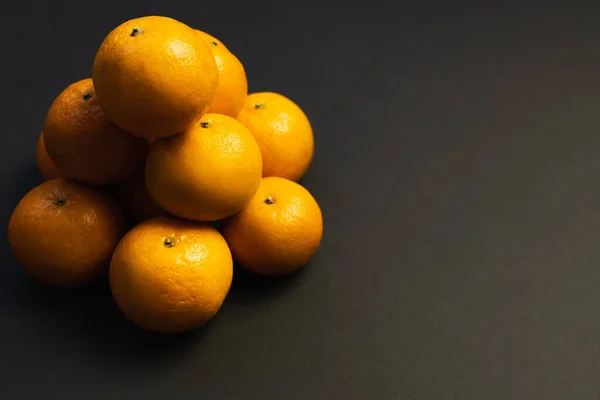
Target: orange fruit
278,231
84,145
233,84
282,131
154,76
136,200
46,167
169,275
208,172
63,233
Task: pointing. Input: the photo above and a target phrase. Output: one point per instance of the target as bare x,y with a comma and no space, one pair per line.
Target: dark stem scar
269,200
136,31
88,95
60,200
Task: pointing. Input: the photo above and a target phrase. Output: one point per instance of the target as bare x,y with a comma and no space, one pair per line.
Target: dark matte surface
458,168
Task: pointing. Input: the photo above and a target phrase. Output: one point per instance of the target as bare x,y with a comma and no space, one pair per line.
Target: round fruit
206,173
154,76
63,233
233,84
136,200
169,275
84,145
278,231
46,167
282,131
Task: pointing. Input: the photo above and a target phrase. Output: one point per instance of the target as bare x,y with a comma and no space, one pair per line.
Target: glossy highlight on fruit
233,84
154,76
279,230
63,233
159,171
283,133
86,146
208,172
169,275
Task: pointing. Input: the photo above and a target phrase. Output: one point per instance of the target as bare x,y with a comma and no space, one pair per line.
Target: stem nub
168,242
205,124
60,201
269,200
135,32
214,43
88,95
258,106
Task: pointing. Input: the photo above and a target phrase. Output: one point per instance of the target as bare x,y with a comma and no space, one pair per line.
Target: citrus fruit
136,200
63,233
169,275
83,144
154,76
282,131
233,84
278,231
46,167
208,172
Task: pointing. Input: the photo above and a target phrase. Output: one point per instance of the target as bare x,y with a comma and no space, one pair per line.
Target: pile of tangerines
166,135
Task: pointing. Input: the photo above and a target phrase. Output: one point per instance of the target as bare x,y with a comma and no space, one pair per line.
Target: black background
457,165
